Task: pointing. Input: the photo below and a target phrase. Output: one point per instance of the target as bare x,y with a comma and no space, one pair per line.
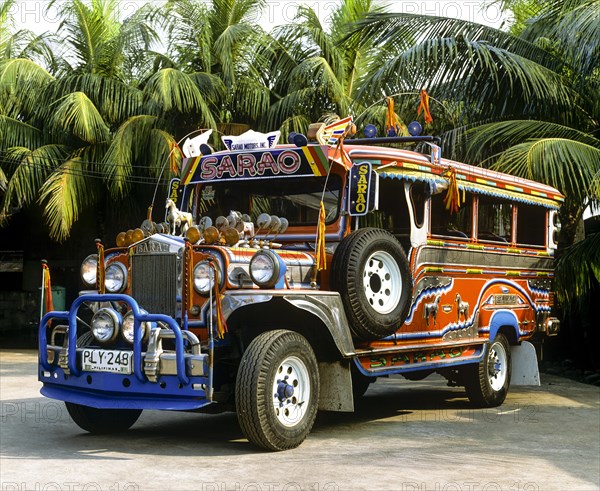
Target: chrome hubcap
497,366
291,391
382,282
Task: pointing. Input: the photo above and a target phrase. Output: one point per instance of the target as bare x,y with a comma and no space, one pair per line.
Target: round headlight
264,268
128,325
89,270
115,277
105,325
203,278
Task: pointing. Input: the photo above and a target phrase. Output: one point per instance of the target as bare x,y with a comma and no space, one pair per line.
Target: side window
448,224
494,219
531,225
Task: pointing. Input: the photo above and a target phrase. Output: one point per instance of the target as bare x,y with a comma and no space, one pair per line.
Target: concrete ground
409,436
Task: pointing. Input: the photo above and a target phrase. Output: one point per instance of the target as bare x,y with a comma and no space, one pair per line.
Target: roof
405,164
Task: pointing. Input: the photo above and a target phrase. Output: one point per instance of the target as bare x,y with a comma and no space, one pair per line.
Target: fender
504,318
326,306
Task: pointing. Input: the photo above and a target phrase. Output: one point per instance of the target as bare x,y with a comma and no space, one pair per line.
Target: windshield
298,200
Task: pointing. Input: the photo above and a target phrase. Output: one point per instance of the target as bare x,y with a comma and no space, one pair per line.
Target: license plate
99,360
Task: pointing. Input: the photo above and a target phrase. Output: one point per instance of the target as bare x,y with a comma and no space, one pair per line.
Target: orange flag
320,248
424,106
49,306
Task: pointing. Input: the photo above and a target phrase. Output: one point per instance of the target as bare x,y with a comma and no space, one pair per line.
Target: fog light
105,325
128,326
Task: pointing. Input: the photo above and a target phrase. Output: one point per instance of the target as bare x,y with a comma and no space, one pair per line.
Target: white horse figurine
178,218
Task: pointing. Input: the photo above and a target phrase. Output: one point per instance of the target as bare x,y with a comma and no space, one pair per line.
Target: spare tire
371,272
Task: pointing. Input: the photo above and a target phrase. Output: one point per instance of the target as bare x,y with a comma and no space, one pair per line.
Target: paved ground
409,436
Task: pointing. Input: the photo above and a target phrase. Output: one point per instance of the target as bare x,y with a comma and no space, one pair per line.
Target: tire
487,382
102,421
371,272
277,413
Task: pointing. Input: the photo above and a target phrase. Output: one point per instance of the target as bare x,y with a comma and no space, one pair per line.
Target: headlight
105,325
264,268
203,278
115,277
127,328
89,270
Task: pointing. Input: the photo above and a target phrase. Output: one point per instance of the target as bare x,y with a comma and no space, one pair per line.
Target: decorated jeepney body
309,270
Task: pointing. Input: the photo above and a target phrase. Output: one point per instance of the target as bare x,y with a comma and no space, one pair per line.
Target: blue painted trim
416,368
139,317
110,401
504,318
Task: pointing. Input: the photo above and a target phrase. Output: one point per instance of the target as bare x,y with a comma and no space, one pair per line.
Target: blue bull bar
145,392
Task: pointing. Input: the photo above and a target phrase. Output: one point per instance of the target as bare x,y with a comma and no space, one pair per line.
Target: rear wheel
102,421
487,382
277,390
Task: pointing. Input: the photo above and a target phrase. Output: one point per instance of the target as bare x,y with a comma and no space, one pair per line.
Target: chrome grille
154,282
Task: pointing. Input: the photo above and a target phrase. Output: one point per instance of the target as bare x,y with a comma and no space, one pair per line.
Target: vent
154,282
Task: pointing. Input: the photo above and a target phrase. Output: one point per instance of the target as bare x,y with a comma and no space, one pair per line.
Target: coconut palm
218,42
315,70
84,127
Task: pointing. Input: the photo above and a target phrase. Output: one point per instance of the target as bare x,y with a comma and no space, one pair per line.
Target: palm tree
314,70
217,43
83,126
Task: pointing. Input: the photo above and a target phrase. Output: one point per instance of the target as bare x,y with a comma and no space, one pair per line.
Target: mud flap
524,365
336,387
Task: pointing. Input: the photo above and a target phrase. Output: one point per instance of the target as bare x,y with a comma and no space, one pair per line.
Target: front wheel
487,382
277,390
102,421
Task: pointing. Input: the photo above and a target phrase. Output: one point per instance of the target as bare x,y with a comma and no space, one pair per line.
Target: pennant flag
100,275
48,305
335,131
424,106
320,246
452,198
393,125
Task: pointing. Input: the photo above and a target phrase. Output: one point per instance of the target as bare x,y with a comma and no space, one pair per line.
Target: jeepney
306,271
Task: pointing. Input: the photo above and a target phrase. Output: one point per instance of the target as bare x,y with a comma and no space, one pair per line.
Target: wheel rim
382,282
497,367
291,391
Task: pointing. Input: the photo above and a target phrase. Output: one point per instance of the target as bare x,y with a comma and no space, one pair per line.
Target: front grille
154,282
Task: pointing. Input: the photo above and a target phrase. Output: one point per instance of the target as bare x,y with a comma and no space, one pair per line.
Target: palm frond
31,168
568,165
129,144
491,138
16,133
174,90
575,26
64,195
21,81
577,270
76,113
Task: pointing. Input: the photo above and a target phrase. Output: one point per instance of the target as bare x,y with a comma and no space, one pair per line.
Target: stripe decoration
335,131
100,276
424,106
48,305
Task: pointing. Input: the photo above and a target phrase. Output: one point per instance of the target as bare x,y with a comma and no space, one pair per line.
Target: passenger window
494,219
392,214
531,225
449,224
